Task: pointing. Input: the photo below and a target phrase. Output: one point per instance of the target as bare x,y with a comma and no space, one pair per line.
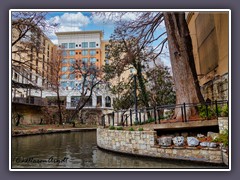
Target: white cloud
70,21
67,22
110,18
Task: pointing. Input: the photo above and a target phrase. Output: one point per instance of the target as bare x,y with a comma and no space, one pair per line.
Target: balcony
31,100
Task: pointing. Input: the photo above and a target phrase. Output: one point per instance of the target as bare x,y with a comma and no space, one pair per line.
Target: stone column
68,103
94,100
103,101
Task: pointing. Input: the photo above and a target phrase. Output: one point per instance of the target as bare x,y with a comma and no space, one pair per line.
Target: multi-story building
210,38
30,63
83,47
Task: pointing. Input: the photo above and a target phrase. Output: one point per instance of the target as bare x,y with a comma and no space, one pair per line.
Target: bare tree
91,77
56,72
146,28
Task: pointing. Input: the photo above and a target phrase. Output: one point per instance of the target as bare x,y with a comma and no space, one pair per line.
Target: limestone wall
223,124
145,143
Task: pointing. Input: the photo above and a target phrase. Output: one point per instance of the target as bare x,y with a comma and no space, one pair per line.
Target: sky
86,21
79,21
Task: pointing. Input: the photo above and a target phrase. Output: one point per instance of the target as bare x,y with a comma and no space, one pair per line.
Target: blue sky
86,21
79,21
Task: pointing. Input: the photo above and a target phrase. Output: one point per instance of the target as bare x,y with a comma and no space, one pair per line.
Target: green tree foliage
126,53
160,84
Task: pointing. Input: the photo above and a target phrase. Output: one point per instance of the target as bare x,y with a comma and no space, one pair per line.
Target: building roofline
79,32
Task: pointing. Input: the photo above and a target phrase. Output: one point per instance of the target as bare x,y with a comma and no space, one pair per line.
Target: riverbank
26,130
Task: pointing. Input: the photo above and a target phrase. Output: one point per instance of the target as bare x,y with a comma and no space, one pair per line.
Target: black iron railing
167,113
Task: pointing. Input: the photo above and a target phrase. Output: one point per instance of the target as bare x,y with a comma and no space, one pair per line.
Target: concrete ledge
191,124
225,158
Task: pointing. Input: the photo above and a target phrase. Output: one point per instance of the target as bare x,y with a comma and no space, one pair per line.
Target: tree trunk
142,86
59,107
182,62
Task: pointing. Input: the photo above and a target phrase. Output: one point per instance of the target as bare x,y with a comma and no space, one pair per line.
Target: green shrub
222,138
131,129
112,128
150,120
203,112
224,112
140,129
119,128
136,123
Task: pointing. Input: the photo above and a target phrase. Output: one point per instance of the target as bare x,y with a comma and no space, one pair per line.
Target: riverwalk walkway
37,130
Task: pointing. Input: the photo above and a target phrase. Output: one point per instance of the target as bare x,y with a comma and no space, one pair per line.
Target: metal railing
165,114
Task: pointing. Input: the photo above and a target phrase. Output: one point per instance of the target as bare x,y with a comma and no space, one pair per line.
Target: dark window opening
108,101
99,101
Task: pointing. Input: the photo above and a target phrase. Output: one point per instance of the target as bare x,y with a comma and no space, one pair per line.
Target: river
79,150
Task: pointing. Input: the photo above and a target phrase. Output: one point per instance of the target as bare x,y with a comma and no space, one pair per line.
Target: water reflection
79,150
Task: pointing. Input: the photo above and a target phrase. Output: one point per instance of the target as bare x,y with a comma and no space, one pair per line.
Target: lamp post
135,96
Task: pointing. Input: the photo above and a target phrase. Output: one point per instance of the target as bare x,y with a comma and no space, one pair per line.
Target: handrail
154,111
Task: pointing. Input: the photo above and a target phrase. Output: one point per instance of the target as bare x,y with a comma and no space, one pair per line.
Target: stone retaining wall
223,124
145,143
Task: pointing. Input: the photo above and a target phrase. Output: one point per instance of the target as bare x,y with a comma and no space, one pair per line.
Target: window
71,68
15,76
72,76
64,68
64,61
76,45
78,86
99,101
71,53
84,44
84,52
92,52
93,60
72,61
89,102
64,45
64,53
71,84
85,60
106,61
106,55
71,45
92,77
107,47
65,76
83,68
76,52
64,84
74,100
92,44
131,70
108,101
